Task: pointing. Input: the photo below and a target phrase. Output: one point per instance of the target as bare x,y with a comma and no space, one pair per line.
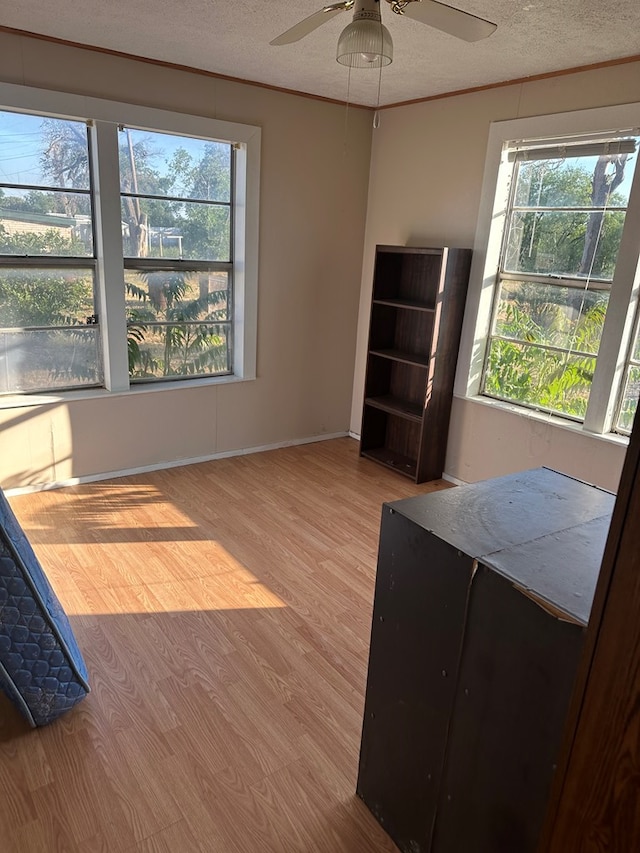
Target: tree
205,227
604,183
65,161
190,340
573,242
137,176
35,201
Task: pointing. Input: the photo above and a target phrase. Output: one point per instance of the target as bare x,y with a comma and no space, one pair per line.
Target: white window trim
486,253
107,116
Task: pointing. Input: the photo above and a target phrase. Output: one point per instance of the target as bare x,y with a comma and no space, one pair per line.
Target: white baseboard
454,480
176,463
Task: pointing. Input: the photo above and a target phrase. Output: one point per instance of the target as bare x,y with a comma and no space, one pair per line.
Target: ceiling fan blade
308,25
455,22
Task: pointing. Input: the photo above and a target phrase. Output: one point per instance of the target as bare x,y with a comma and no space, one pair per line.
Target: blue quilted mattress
41,668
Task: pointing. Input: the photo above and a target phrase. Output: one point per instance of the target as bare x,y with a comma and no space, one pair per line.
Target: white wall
314,184
426,177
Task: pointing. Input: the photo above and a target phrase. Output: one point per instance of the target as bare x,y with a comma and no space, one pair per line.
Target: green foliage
35,201
561,241
173,325
31,297
554,242
209,177
521,371
173,329
48,297
50,242
203,228
172,332
206,228
44,300
629,408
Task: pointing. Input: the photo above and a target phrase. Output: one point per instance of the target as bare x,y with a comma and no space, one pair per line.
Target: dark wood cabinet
416,318
482,596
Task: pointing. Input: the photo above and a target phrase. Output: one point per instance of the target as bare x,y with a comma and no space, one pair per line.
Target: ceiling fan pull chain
346,114
376,115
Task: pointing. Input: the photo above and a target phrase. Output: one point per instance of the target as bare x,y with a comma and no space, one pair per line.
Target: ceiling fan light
365,44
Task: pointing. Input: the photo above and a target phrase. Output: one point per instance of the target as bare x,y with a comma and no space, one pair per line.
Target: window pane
44,297
33,222
185,349
555,382
565,317
175,297
174,323
570,182
636,349
168,229
49,360
564,243
630,400
177,166
46,152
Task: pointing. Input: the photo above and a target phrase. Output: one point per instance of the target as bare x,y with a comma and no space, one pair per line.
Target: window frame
104,117
625,286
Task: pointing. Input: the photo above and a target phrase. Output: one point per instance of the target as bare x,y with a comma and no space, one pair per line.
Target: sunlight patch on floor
131,580
139,554
107,507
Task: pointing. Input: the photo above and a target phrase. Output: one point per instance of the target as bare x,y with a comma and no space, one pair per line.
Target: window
176,210
128,245
557,294
561,239
48,337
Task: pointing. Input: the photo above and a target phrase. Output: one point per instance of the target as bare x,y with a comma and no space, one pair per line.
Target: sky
21,144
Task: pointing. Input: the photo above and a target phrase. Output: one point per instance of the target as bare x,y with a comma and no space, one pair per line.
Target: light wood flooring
223,610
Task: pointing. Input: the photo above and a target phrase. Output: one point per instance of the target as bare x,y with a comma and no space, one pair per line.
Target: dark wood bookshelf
411,304
390,459
406,357
416,318
396,406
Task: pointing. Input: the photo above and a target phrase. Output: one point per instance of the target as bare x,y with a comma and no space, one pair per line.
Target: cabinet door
418,619
517,670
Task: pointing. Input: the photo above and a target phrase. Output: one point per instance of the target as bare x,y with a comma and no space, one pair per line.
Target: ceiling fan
442,17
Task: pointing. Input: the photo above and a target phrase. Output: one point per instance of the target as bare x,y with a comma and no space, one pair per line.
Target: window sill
546,418
23,401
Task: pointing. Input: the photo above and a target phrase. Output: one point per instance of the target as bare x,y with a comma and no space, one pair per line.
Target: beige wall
426,176
424,181
314,183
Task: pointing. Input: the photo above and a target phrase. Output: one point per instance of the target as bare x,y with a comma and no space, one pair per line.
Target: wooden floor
223,610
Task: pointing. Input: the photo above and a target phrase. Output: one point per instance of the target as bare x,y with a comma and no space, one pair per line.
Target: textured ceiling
232,38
